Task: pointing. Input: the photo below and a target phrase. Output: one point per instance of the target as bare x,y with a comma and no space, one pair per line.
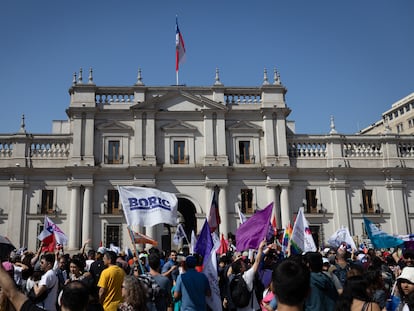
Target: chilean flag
51,235
214,216
179,47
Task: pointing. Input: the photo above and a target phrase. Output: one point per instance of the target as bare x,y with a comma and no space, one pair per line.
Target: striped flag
179,47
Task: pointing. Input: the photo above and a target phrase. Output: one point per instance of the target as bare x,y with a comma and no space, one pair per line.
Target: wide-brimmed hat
407,274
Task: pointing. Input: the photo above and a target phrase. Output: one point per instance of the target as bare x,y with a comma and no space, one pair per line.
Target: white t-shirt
50,280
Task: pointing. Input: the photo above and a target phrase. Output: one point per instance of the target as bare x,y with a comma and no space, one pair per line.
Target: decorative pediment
179,101
114,126
179,127
244,126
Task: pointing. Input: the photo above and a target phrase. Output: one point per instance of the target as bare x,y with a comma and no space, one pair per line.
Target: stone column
269,139
88,137
284,206
397,203
150,135
151,232
87,214
73,219
16,217
208,135
341,204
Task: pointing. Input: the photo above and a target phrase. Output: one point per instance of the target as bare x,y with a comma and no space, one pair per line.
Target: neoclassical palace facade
188,140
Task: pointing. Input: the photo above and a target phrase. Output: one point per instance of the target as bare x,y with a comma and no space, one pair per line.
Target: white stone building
399,119
187,140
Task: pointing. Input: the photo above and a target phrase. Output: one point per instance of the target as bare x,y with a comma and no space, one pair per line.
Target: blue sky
350,59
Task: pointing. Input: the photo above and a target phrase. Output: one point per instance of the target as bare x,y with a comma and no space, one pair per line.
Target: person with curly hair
133,295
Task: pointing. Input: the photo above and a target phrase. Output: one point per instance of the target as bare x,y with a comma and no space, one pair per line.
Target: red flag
179,47
224,247
49,244
214,217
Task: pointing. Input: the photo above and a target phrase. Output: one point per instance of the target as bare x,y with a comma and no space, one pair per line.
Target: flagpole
176,77
136,250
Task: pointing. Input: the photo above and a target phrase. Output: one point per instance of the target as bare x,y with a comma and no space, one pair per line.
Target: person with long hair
133,295
356,296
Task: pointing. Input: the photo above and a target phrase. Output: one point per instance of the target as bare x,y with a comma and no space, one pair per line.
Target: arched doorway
187,210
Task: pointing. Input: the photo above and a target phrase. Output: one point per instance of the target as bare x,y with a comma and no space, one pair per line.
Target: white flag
147,206
242,217
210,270
301,235
342,235
193,242
179,235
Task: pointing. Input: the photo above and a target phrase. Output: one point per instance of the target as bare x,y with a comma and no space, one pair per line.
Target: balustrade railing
49,149
307,149
366,149
242,97
406,150
6,149
113,95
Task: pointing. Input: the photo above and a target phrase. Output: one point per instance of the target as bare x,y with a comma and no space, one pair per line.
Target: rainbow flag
301,240
286,239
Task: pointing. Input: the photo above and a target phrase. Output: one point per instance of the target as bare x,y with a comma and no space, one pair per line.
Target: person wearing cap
98,265
405,285
325,269
192,287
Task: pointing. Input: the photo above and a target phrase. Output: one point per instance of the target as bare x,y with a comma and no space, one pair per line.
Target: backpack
239,292
152,288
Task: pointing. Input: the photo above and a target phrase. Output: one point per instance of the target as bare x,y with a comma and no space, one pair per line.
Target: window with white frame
245,137
179,140
114,143
180,155
114,152
245,154
311,201
367,205
400,127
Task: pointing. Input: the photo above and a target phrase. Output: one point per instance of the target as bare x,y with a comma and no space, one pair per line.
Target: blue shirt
193,287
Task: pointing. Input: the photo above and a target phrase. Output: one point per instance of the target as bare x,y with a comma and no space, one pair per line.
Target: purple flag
254,230
205,242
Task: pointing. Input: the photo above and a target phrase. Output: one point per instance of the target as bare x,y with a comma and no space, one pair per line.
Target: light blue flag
379,238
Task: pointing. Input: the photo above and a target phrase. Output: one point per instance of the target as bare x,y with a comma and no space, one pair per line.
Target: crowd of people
262,279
